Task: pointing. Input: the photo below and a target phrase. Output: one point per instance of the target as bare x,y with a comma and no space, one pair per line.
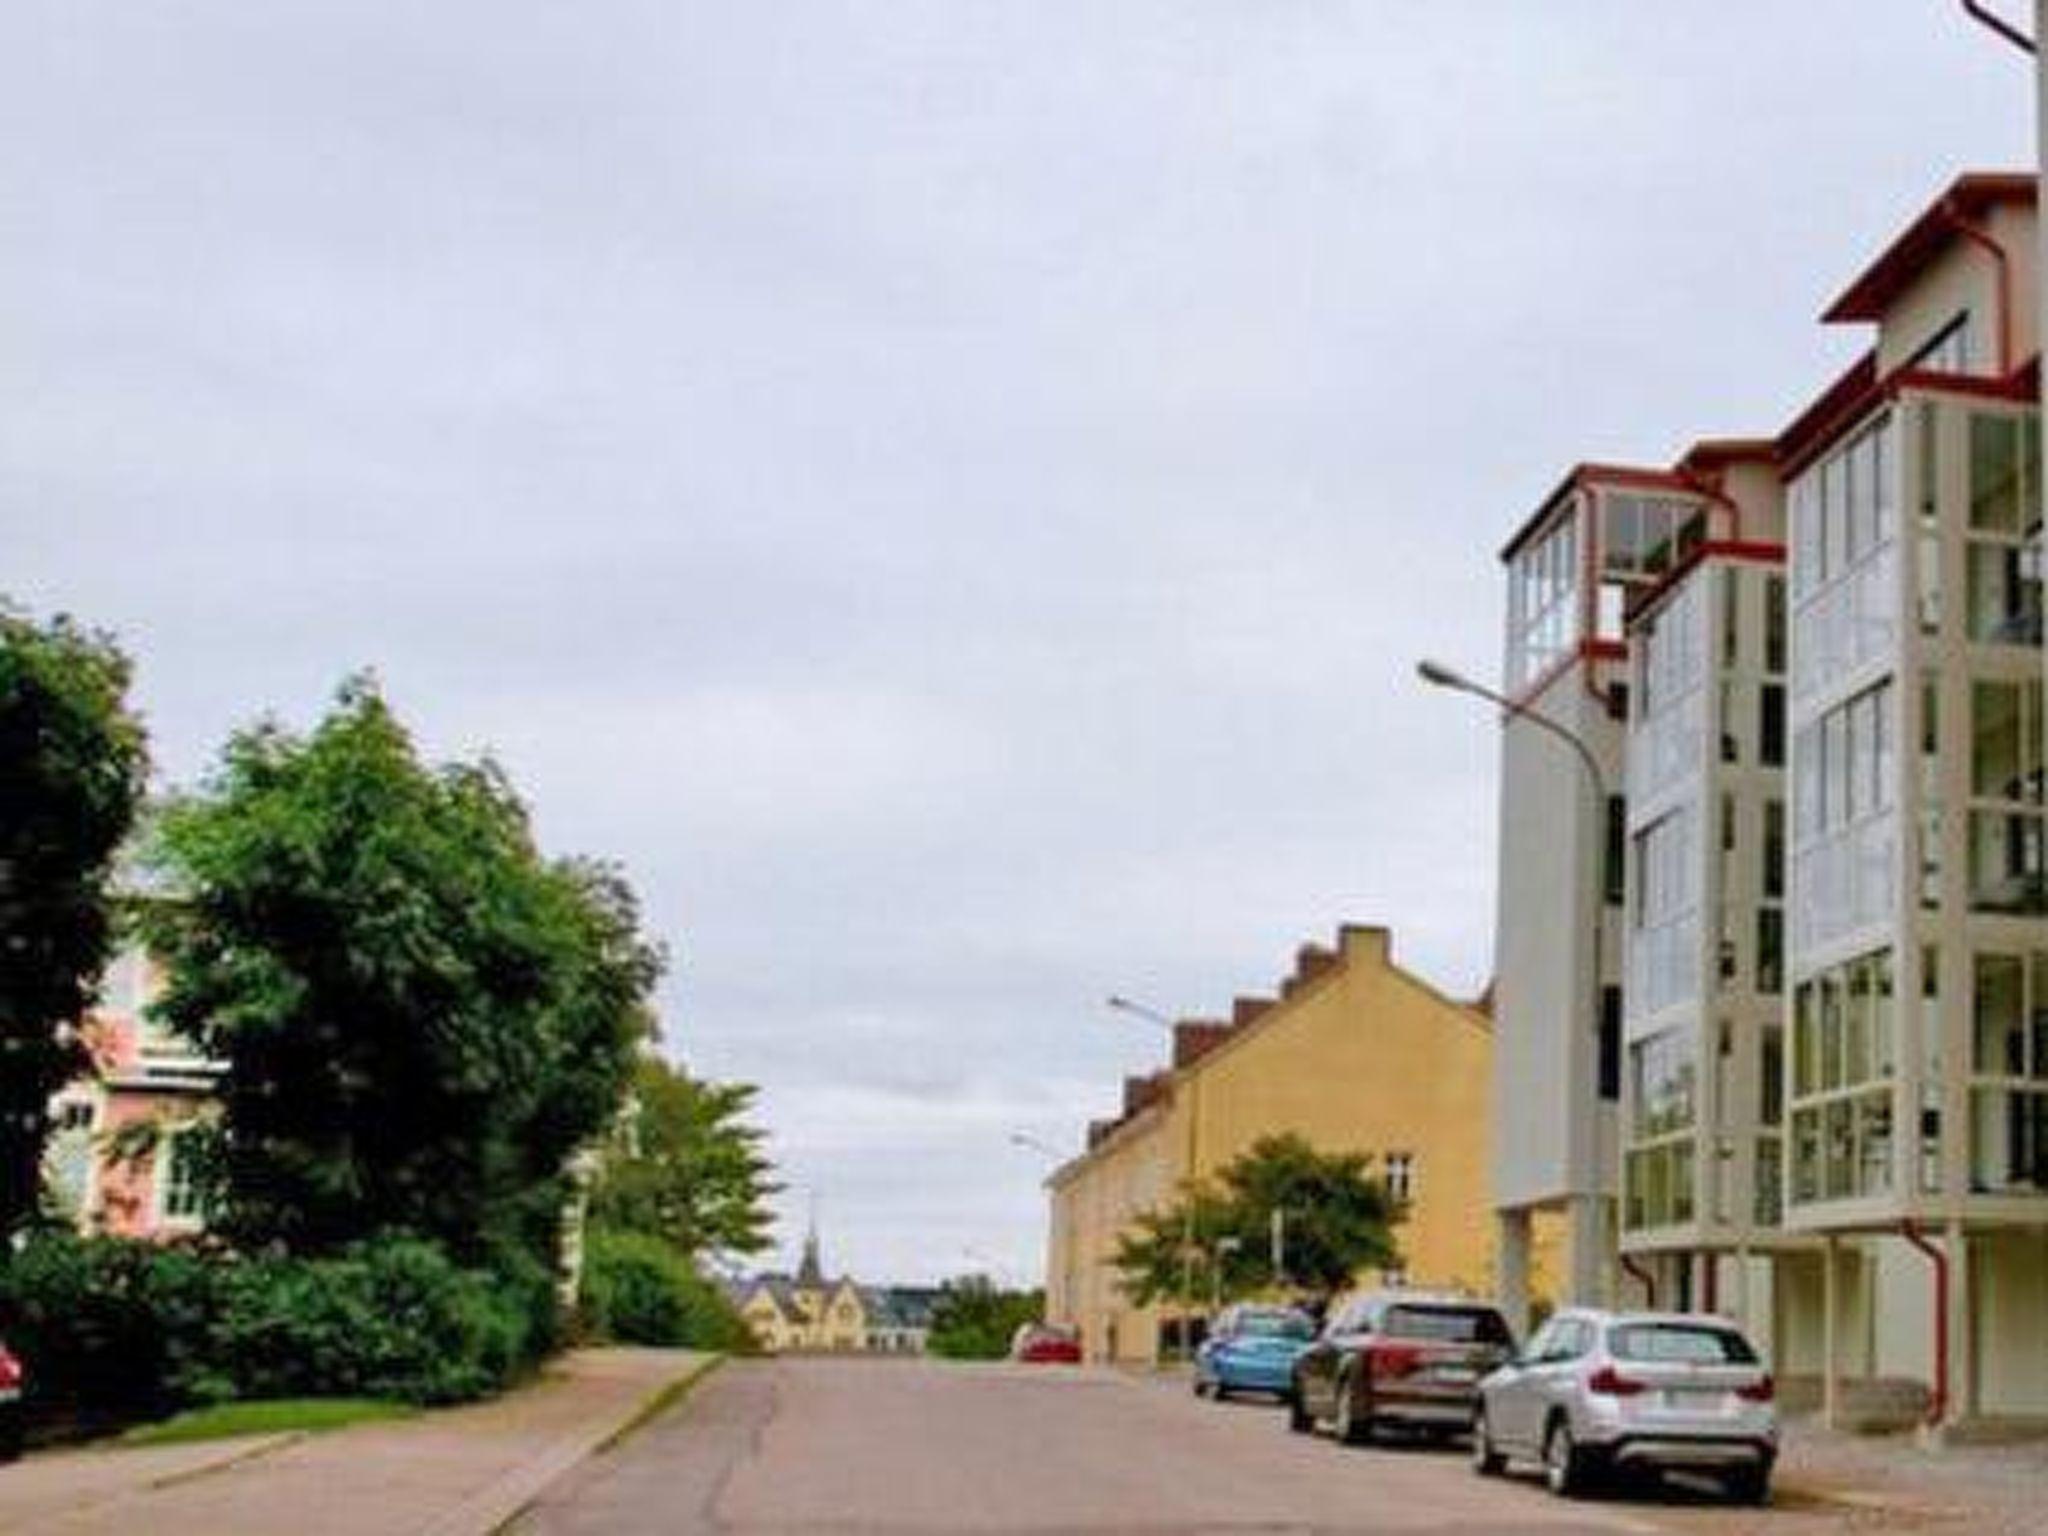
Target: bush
391,1319
112,1327
639,1290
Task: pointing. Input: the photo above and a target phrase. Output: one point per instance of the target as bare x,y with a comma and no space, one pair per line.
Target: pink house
141,1076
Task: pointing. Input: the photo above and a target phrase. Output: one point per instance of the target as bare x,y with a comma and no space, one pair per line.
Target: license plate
1692,1399
1457,1373
9,1395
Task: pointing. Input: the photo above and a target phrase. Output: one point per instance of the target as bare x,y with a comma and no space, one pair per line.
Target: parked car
1401,1359
1252,1348
1597,1392
11,1384
1045,1344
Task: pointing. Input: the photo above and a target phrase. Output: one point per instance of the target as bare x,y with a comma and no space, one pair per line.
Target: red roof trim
1591,476
1742,551
1898,264
1843,404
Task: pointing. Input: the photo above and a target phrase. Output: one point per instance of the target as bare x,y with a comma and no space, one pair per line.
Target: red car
1044,1344
10,1404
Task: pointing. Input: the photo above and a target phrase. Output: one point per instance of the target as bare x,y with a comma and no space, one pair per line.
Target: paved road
817,1447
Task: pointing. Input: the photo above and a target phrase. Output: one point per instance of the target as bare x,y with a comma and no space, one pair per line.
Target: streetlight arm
1437,675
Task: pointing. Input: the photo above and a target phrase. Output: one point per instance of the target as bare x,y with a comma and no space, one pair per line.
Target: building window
1664,930
1401,1176
1771,725
1543,602
178,1185
1610,1044
1614,868
1947,350
1844,1054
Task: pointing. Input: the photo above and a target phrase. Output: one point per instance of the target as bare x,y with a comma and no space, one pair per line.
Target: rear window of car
1679,1344
1276,1325
1454,1325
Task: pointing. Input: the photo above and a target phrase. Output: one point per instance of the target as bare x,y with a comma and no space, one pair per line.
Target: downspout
1983,16
1937,1407
1976,235
1634,1269
1718,497
1710,1280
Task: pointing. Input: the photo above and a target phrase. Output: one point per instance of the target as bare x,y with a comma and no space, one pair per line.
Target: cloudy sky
949,493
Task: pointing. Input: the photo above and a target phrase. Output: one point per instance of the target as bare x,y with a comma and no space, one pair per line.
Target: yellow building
1356,1055
811,1314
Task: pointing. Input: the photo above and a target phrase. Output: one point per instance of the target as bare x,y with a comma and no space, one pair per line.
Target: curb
491,1509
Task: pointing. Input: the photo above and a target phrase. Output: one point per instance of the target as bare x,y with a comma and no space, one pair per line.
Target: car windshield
1457,1325
1680,1343
1276,1325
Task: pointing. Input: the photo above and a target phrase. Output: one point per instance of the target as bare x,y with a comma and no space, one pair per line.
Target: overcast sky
949,494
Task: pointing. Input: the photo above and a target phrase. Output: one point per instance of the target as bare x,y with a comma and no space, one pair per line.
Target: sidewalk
458,1472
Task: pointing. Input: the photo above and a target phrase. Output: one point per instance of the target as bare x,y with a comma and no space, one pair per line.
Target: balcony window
1544,590
2006,868
1663,1070
2008,1140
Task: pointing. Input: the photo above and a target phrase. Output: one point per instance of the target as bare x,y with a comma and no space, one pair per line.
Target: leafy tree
72,768
1338,1220
687,1168
422,1018
973,1318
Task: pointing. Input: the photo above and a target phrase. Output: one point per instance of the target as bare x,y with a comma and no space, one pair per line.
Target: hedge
638,1289
113,1327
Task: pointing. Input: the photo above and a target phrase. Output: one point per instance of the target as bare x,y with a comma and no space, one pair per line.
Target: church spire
811,1272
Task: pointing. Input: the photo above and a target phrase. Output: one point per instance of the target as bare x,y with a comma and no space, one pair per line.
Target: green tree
1338,1220
422,1018
72,769
974,1318
687,1167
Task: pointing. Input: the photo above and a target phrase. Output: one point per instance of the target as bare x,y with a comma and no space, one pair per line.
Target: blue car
1252,1348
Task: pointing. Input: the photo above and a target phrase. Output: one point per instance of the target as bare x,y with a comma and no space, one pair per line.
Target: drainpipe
1642,1277
1937,1408
1983,16
1710,1281
1976,235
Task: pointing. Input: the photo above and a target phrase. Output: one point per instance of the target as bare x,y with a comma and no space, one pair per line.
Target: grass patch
272,1416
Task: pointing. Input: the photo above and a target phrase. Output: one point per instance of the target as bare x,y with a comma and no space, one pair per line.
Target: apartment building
1606,531
1917,943
1833,1014
1704,932
1355,1054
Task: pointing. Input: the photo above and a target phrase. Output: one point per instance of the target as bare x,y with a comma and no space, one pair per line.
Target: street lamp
1139,1010
1438,675
1031,1143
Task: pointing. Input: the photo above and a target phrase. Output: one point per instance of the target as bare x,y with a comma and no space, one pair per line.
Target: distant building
1356,1054
807,1313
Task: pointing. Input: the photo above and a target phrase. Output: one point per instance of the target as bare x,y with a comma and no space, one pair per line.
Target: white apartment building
1604,533
1917,942
1831,1030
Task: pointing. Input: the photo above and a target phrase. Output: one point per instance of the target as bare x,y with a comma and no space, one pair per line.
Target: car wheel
1750,1485
1349,1425
1486,1461
1564,1464
1299,1419
1219,1390
1201,1386
10,1433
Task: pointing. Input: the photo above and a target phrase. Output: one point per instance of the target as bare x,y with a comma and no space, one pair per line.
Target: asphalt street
811,1447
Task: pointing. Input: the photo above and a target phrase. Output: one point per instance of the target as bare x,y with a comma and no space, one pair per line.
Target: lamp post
1225,1246
1031,1143
1187,1237
1438,675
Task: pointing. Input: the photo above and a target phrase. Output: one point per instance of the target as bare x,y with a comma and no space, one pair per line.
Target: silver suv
1596,1392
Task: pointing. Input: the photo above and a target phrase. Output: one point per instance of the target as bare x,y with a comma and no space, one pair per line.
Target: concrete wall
1552,1137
